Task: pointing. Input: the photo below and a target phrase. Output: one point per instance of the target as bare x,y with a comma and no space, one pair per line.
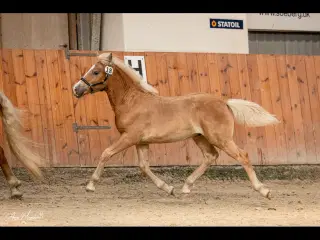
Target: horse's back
195,96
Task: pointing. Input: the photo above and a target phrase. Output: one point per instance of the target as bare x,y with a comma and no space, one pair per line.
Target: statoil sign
226,23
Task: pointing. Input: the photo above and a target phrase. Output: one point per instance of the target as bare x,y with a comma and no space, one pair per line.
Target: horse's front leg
145,168
124,142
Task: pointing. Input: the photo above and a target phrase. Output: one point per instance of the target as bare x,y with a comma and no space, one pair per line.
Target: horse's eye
95,72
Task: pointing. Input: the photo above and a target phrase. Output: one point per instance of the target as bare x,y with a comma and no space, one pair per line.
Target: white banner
284,21
138,64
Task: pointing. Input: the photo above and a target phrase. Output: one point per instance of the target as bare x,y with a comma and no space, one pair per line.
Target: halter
108,70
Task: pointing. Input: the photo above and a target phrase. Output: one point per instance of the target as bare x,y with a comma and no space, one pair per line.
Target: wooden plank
187,147
286,108
68,116
192,63
0,31
175,154
164,90
223,67
9,86
291,62
233,73
306,117
314,102
80,114
255,87
92,118
1,89
244,83
214,79
21,91
57,108
157,152
9,89
35,117
193,151
203,75
45,106
276,100
266,103
314,70
215,88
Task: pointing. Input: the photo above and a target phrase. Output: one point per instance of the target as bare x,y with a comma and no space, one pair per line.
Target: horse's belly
166,134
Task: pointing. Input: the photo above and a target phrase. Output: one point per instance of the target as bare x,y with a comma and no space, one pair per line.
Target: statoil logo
226,23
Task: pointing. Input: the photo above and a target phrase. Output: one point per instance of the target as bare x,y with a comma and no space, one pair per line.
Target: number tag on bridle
108,70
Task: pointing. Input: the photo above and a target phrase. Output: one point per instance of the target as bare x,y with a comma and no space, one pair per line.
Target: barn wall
112,37
172,33
40,81
34,30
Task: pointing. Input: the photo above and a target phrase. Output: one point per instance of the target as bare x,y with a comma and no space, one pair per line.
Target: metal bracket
76,127
67,52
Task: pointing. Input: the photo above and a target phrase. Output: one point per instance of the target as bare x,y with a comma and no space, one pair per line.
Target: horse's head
95,79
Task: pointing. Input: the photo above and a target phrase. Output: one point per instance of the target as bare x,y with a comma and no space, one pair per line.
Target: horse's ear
110,57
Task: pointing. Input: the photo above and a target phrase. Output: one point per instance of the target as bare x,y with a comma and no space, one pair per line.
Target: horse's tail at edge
11,121
250,114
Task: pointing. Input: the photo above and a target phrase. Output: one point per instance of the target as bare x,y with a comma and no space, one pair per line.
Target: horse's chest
123,122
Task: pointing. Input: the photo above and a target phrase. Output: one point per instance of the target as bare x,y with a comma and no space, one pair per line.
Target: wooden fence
40,81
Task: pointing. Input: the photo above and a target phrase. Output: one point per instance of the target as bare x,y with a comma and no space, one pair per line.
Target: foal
143,117
12,126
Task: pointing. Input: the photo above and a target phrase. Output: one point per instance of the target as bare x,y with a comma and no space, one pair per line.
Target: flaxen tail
11,119
251,114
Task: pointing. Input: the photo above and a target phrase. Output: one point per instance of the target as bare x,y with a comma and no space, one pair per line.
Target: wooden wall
40,81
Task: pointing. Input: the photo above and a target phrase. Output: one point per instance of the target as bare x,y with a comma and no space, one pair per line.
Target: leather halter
108,71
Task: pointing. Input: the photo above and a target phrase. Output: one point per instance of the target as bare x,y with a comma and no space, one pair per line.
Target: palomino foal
17,142
143,117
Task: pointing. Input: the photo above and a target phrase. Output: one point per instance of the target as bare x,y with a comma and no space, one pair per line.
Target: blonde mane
132,74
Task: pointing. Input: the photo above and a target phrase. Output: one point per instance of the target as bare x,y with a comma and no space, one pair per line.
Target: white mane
136,78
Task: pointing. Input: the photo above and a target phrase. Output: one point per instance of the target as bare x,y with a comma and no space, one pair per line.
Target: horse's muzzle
79,90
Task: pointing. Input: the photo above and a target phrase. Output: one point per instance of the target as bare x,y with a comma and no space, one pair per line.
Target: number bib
108,70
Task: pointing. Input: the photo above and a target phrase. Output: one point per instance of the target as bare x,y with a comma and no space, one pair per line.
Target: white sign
284,21
138,64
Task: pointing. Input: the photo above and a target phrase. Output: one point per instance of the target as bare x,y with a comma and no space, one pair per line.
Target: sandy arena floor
124,201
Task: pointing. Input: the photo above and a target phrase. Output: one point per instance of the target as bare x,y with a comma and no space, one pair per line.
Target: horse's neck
120,89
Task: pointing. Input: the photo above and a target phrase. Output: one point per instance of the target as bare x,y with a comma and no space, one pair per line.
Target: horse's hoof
171,190
185,189
14,183
15,194
266,193
90,187
269,196
18,184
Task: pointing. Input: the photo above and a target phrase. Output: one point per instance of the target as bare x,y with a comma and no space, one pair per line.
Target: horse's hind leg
12,180
240,155
210,154
144,166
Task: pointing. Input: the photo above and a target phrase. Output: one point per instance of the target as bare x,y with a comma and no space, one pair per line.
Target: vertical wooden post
72,28
96,31
83,21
